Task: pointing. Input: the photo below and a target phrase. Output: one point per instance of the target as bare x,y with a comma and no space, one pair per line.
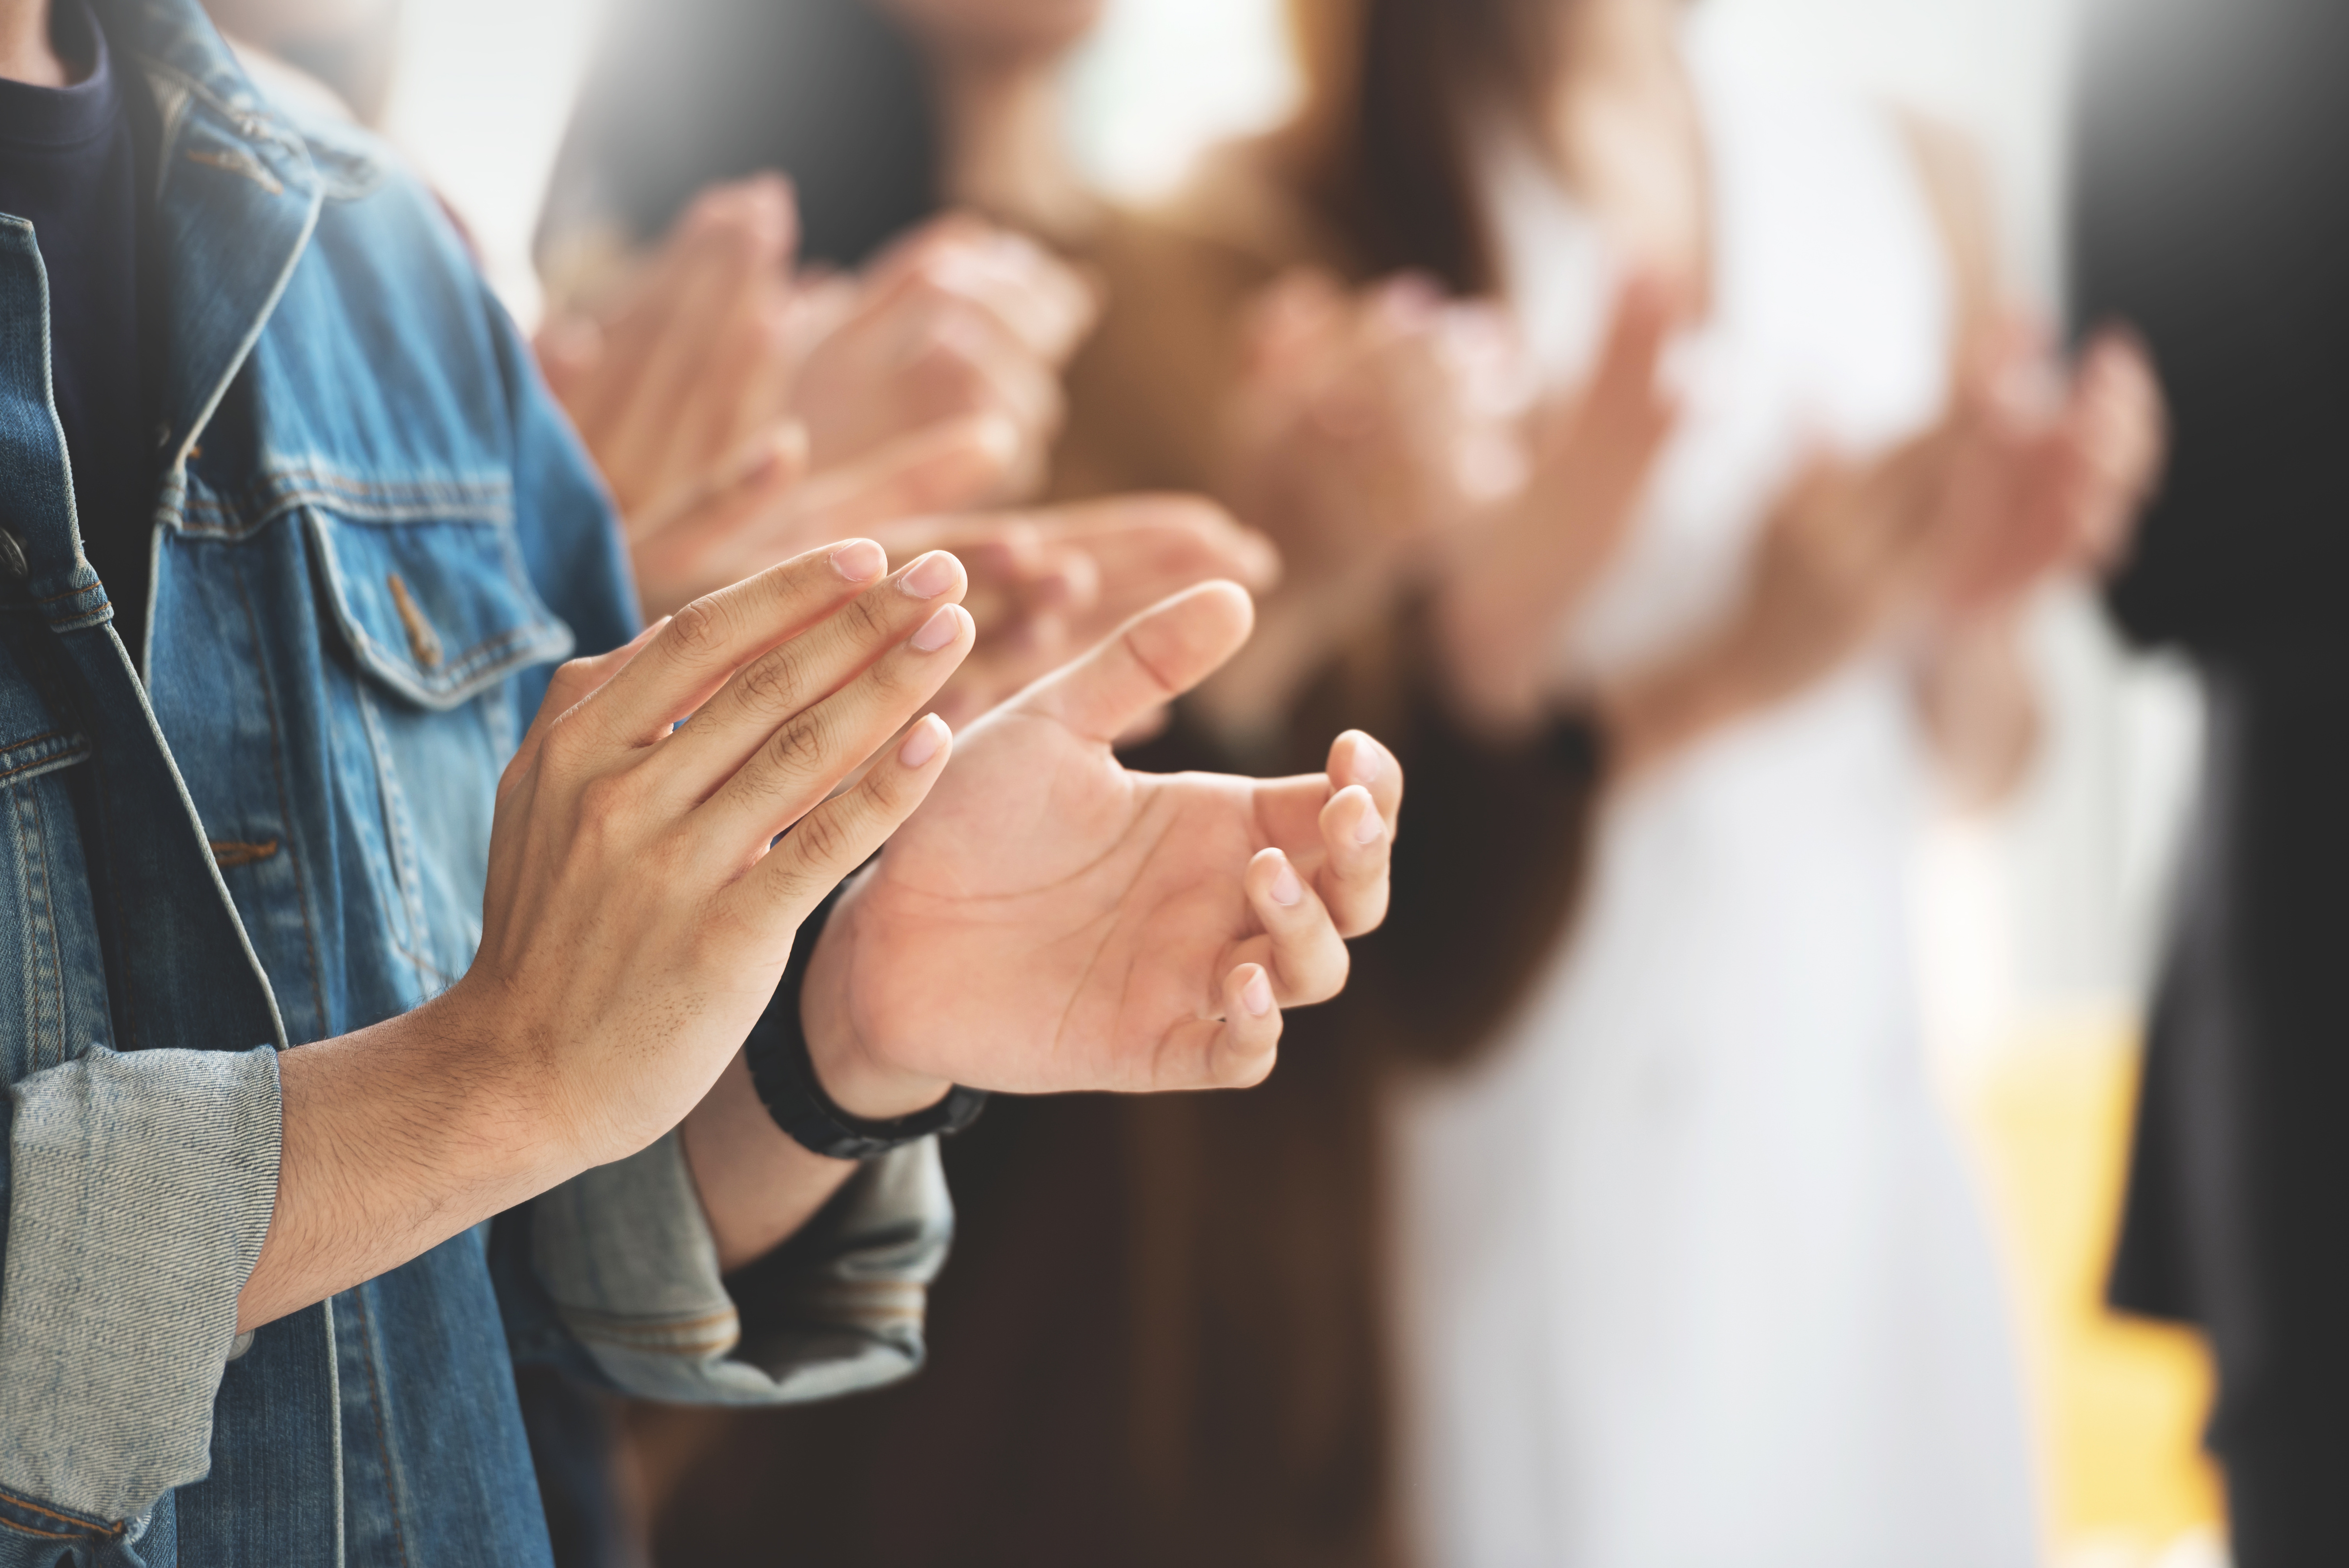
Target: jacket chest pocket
438,617
52,986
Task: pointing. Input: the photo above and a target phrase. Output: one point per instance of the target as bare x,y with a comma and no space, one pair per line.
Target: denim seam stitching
271,495
375,1402
454,674
128,1034
82,1523
285,809
48,917
54,759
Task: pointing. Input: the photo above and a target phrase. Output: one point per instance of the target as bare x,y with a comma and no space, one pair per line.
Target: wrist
850,1074
1650,714
549,1123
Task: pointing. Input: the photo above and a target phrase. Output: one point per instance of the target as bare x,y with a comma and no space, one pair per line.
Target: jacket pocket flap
438,611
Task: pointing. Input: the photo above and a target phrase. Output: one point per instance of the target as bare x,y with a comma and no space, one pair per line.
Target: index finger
705,642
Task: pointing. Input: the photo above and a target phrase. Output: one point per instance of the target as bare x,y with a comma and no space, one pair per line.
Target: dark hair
1396,92
688,93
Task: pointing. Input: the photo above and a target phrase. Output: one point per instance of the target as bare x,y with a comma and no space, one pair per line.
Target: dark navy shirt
70,165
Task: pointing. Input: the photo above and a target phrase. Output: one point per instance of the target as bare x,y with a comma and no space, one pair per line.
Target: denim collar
236,200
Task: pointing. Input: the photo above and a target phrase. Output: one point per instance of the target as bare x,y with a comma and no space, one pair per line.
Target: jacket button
12,556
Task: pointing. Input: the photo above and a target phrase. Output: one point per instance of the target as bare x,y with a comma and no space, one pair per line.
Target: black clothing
688,93
70,165
2214,149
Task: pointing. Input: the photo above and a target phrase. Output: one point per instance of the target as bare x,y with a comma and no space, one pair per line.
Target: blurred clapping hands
1391,439
2036,474
742,412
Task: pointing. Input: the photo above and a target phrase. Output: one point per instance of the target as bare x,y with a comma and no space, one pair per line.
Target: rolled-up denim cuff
625,1253
141,1189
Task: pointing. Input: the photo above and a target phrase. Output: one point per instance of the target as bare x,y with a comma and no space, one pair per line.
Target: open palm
1048,921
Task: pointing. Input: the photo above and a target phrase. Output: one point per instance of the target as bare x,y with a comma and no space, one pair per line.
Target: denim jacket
373,535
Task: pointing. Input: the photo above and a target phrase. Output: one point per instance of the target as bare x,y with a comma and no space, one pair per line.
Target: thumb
1155,658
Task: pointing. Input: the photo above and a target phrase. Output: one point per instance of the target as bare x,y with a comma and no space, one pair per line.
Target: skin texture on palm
1116,945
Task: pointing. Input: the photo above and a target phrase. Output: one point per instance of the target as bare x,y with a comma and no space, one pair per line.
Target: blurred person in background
2212,143
1689,1269
1243,1363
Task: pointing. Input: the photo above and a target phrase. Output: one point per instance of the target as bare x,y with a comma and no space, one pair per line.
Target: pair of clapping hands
1042,920
1392,437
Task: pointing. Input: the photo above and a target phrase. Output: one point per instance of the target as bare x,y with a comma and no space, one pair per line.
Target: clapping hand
1048,921
2048,468
686,368
959,320
1508,586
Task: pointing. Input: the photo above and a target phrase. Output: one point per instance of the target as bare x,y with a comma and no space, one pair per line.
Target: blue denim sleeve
138,1190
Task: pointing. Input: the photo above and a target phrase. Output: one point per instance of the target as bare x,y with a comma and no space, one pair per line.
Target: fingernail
1256,995
923,744
1366,760
1367,830
932,576
1286,889
938,630
860,559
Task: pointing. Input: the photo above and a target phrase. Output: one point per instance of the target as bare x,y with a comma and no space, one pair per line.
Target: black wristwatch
777,1052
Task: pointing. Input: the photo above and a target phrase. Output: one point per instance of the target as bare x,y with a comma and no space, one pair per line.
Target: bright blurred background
2038,926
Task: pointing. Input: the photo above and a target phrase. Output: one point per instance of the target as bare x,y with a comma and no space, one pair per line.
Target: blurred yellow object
2120,1401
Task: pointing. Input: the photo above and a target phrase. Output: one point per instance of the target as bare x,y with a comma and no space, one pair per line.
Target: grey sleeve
626,1255
140,1188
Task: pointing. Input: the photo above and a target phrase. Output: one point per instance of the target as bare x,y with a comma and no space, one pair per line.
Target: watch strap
785,1078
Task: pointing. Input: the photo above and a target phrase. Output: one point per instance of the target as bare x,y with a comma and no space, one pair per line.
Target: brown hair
1394,90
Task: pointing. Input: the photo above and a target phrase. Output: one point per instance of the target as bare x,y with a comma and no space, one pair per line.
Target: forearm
1651,714
758,1186
396,1138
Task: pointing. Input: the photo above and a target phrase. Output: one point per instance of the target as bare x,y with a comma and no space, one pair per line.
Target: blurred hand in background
1509,587
1368,425
958,319
2038,473
742,416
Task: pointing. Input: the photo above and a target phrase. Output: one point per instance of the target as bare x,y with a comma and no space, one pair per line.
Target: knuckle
565,742
819,839
772,683
699,631
801,748
606,804
866,621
